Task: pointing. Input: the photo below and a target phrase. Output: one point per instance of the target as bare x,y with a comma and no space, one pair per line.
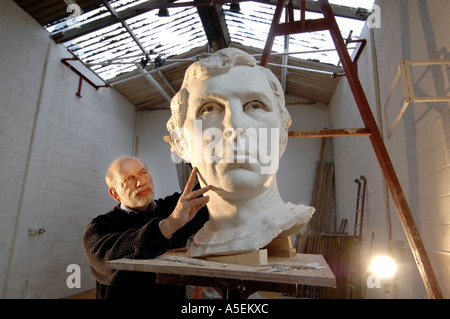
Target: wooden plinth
281,274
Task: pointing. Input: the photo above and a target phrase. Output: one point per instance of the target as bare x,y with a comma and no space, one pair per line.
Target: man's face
239,104
134,185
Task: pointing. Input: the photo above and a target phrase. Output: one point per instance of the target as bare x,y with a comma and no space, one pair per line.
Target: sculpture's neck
230,213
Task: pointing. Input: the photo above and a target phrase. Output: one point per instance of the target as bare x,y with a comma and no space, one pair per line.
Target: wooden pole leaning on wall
329,23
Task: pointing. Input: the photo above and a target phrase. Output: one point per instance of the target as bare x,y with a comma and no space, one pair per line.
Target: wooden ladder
328,22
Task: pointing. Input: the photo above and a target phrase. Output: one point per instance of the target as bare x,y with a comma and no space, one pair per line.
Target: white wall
55,149
297,170
297,166
419,147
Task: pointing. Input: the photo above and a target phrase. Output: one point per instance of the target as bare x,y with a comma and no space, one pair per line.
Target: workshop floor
90,294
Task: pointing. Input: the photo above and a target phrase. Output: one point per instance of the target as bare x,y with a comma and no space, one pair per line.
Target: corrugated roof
102,41
183,31
118,52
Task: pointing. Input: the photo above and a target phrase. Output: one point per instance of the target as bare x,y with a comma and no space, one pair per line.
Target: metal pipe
141,74
285,58
153,81
125,25
177,63
301,68
134,150
81,75
299,52
163,77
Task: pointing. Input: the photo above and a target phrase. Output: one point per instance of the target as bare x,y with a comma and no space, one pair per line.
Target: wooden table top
304,269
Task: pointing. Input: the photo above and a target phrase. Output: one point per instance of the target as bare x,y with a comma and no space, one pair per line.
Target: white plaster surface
229,92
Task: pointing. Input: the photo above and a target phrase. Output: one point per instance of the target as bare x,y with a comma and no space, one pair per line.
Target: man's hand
188,205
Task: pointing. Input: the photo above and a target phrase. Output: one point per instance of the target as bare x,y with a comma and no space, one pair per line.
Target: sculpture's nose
234,119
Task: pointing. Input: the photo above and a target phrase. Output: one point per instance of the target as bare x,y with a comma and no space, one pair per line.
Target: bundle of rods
336,250
322,197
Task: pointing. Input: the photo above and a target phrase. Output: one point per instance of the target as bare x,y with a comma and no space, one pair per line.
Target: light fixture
163,12
383,267
159,60
234,6
144,62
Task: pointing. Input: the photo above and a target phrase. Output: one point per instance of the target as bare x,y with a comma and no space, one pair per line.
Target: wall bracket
404,70
81,75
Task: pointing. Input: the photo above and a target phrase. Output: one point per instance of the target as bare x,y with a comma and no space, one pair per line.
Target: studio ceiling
144,56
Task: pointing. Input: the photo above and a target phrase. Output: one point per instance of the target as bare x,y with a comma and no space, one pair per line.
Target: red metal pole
80,82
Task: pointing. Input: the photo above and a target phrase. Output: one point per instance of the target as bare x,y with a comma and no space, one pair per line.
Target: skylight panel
166,36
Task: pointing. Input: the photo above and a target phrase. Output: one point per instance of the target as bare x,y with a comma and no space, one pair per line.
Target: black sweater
118,234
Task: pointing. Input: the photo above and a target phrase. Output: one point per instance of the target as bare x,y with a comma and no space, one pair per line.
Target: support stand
329,23
279,274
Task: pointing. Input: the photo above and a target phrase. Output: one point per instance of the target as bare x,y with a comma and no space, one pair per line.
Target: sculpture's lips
243,159
234,158
240,163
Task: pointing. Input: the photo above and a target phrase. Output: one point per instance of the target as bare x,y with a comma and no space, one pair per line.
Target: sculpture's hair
218,63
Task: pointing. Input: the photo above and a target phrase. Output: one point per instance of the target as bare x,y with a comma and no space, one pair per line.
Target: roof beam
213,21
338,10
153,82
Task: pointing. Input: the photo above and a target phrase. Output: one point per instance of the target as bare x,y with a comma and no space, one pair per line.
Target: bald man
140,227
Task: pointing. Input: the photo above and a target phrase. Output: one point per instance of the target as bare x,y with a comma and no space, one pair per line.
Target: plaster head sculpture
230,121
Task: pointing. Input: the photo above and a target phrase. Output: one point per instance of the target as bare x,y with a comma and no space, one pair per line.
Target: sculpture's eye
208,108
255,105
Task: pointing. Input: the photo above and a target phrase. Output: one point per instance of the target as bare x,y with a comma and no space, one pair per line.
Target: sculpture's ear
283,144
178,145
284,132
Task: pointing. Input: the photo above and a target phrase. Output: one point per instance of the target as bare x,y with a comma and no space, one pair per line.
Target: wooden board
255,258
177,263
282,243
281,247
288,253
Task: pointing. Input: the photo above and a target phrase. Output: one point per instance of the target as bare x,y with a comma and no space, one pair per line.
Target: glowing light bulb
383,266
